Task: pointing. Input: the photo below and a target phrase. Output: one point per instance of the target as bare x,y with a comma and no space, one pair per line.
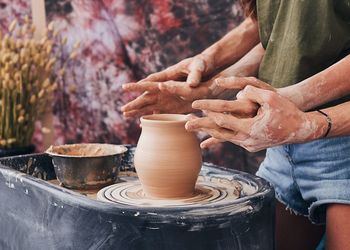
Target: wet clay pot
167,158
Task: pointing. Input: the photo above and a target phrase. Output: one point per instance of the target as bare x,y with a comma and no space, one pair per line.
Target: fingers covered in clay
230,122
190,69
151,109
175,72
260,96
239,108
234,82
277,121
200,123
141,101
210,142
176,88
184,91
167,92
196,69
141,86
222,134
149,103
208,126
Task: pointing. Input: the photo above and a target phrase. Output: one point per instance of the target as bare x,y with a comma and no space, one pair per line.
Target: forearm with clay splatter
340,117
330,84
340,123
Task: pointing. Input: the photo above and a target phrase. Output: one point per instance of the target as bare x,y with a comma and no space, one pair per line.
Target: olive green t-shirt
301,38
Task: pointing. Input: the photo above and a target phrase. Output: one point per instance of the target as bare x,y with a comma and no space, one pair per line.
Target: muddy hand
278,122
163,97
203,124
239,83
153,103
192,69
238,108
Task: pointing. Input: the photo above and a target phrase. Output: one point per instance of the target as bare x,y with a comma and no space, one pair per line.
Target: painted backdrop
123,41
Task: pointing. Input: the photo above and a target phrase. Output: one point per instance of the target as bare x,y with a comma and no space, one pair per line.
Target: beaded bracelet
329,120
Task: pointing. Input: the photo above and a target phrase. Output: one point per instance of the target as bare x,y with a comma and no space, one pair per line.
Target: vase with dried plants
29,76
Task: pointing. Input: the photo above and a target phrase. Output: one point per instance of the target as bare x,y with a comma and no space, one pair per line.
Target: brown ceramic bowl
86,166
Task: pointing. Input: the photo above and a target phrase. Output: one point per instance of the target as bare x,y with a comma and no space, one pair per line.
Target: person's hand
164,92
163,97
176,96
238,83
278,121
192,69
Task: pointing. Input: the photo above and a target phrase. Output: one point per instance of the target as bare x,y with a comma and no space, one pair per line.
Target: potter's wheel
209,190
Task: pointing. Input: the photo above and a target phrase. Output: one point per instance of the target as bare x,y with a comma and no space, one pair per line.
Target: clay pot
167,158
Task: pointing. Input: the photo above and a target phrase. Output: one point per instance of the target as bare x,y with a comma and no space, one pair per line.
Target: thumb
210,142
196,69
176,88
234,82
257,95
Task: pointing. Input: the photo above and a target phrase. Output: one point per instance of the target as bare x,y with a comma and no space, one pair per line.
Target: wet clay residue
209,190
86,150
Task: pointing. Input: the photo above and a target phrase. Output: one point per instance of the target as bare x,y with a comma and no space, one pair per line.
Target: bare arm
278,121
166,92
330,84
228,50
175,96
246,66
234,45
340,119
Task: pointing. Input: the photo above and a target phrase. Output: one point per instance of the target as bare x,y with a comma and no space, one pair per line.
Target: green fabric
301,37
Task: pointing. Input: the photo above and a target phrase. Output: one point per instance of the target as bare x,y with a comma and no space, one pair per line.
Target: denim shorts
308,176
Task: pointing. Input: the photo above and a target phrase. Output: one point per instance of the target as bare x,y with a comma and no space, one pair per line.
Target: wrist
215,91
296,98
329,122
322,124
208,56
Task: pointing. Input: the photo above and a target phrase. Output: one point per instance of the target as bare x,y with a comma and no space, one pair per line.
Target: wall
123,41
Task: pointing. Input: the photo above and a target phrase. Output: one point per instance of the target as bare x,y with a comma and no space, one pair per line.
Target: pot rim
120,149
164,119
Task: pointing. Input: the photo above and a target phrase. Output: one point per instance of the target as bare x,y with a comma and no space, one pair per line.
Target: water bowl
86,166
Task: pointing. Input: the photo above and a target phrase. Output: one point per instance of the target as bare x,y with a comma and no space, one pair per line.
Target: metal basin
86,166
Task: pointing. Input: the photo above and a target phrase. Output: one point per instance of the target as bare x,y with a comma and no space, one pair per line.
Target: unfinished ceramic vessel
167,158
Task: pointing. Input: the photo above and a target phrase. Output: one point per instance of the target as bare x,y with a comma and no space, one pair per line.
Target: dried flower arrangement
28,79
